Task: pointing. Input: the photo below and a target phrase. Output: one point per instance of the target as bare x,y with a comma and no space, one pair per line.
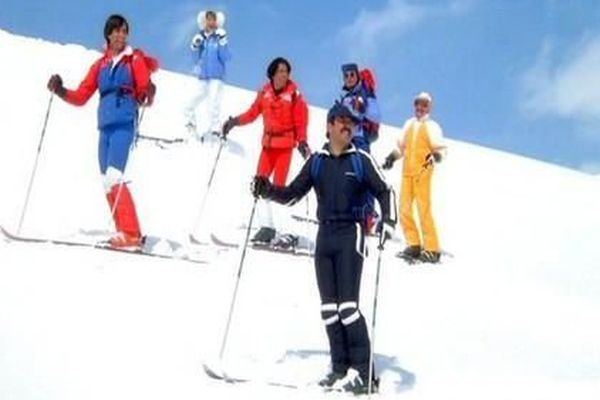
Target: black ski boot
356,384
330,379
412,251
428,256
264,236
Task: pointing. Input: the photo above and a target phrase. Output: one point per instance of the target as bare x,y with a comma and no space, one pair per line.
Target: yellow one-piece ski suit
419,138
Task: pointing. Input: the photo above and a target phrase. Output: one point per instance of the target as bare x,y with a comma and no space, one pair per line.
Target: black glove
147,98
151,92
55,85
433,156
304,150
260,187
389,161
229,125
386,230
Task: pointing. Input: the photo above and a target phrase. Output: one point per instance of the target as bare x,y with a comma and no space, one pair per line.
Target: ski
161,140
227,378
98,246
197,242
311,387
272,249
223,243
302,218
165,143
407,259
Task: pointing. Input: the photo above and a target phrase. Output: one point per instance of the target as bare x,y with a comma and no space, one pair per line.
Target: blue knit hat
350,67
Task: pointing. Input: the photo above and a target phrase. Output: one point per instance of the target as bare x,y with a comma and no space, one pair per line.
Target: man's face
350,78
422,108
281,76
211,22
117,40
340,130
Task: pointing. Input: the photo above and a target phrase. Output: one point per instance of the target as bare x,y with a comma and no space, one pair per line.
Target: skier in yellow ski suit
421,143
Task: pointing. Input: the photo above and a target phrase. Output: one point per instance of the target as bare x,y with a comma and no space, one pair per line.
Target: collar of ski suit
109,57
290,87
326,150
128,51
356,88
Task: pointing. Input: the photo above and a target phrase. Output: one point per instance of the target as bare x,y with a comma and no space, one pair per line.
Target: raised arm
86,89
253,112
288,195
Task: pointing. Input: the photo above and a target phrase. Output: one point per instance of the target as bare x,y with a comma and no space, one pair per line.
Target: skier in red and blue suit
122,77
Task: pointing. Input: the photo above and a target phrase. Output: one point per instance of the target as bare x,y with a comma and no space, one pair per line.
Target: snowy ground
514,315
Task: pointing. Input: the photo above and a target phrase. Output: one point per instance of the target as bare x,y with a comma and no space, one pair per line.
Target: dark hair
113,22
210,13
272,68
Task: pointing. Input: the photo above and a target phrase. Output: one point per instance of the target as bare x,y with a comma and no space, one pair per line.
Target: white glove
196,41
222,34
387,232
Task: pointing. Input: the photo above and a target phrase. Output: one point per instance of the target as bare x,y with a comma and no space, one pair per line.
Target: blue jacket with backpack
367,130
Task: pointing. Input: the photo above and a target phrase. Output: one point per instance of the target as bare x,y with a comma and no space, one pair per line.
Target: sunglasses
349,74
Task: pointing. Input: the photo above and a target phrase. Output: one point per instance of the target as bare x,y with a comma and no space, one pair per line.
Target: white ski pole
237,283
37,157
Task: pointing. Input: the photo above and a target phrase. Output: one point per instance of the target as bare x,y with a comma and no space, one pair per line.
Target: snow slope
514,315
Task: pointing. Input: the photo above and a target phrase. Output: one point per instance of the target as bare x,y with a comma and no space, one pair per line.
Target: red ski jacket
285,116
122,86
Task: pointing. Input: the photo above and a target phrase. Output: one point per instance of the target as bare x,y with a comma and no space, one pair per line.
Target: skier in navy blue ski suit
342,177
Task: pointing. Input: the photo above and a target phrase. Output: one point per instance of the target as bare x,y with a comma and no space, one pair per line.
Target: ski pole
138,122
372,352
237,283
39,149
210,179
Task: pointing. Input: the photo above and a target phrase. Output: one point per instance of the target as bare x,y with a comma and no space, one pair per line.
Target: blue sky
517,75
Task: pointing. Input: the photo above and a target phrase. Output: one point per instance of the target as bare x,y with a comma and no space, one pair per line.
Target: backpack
368,78
151,64
369,83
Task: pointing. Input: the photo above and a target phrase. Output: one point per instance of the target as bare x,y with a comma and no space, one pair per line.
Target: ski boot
122,240
356,384
430,256
410,254
330,379
285,242
263,237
